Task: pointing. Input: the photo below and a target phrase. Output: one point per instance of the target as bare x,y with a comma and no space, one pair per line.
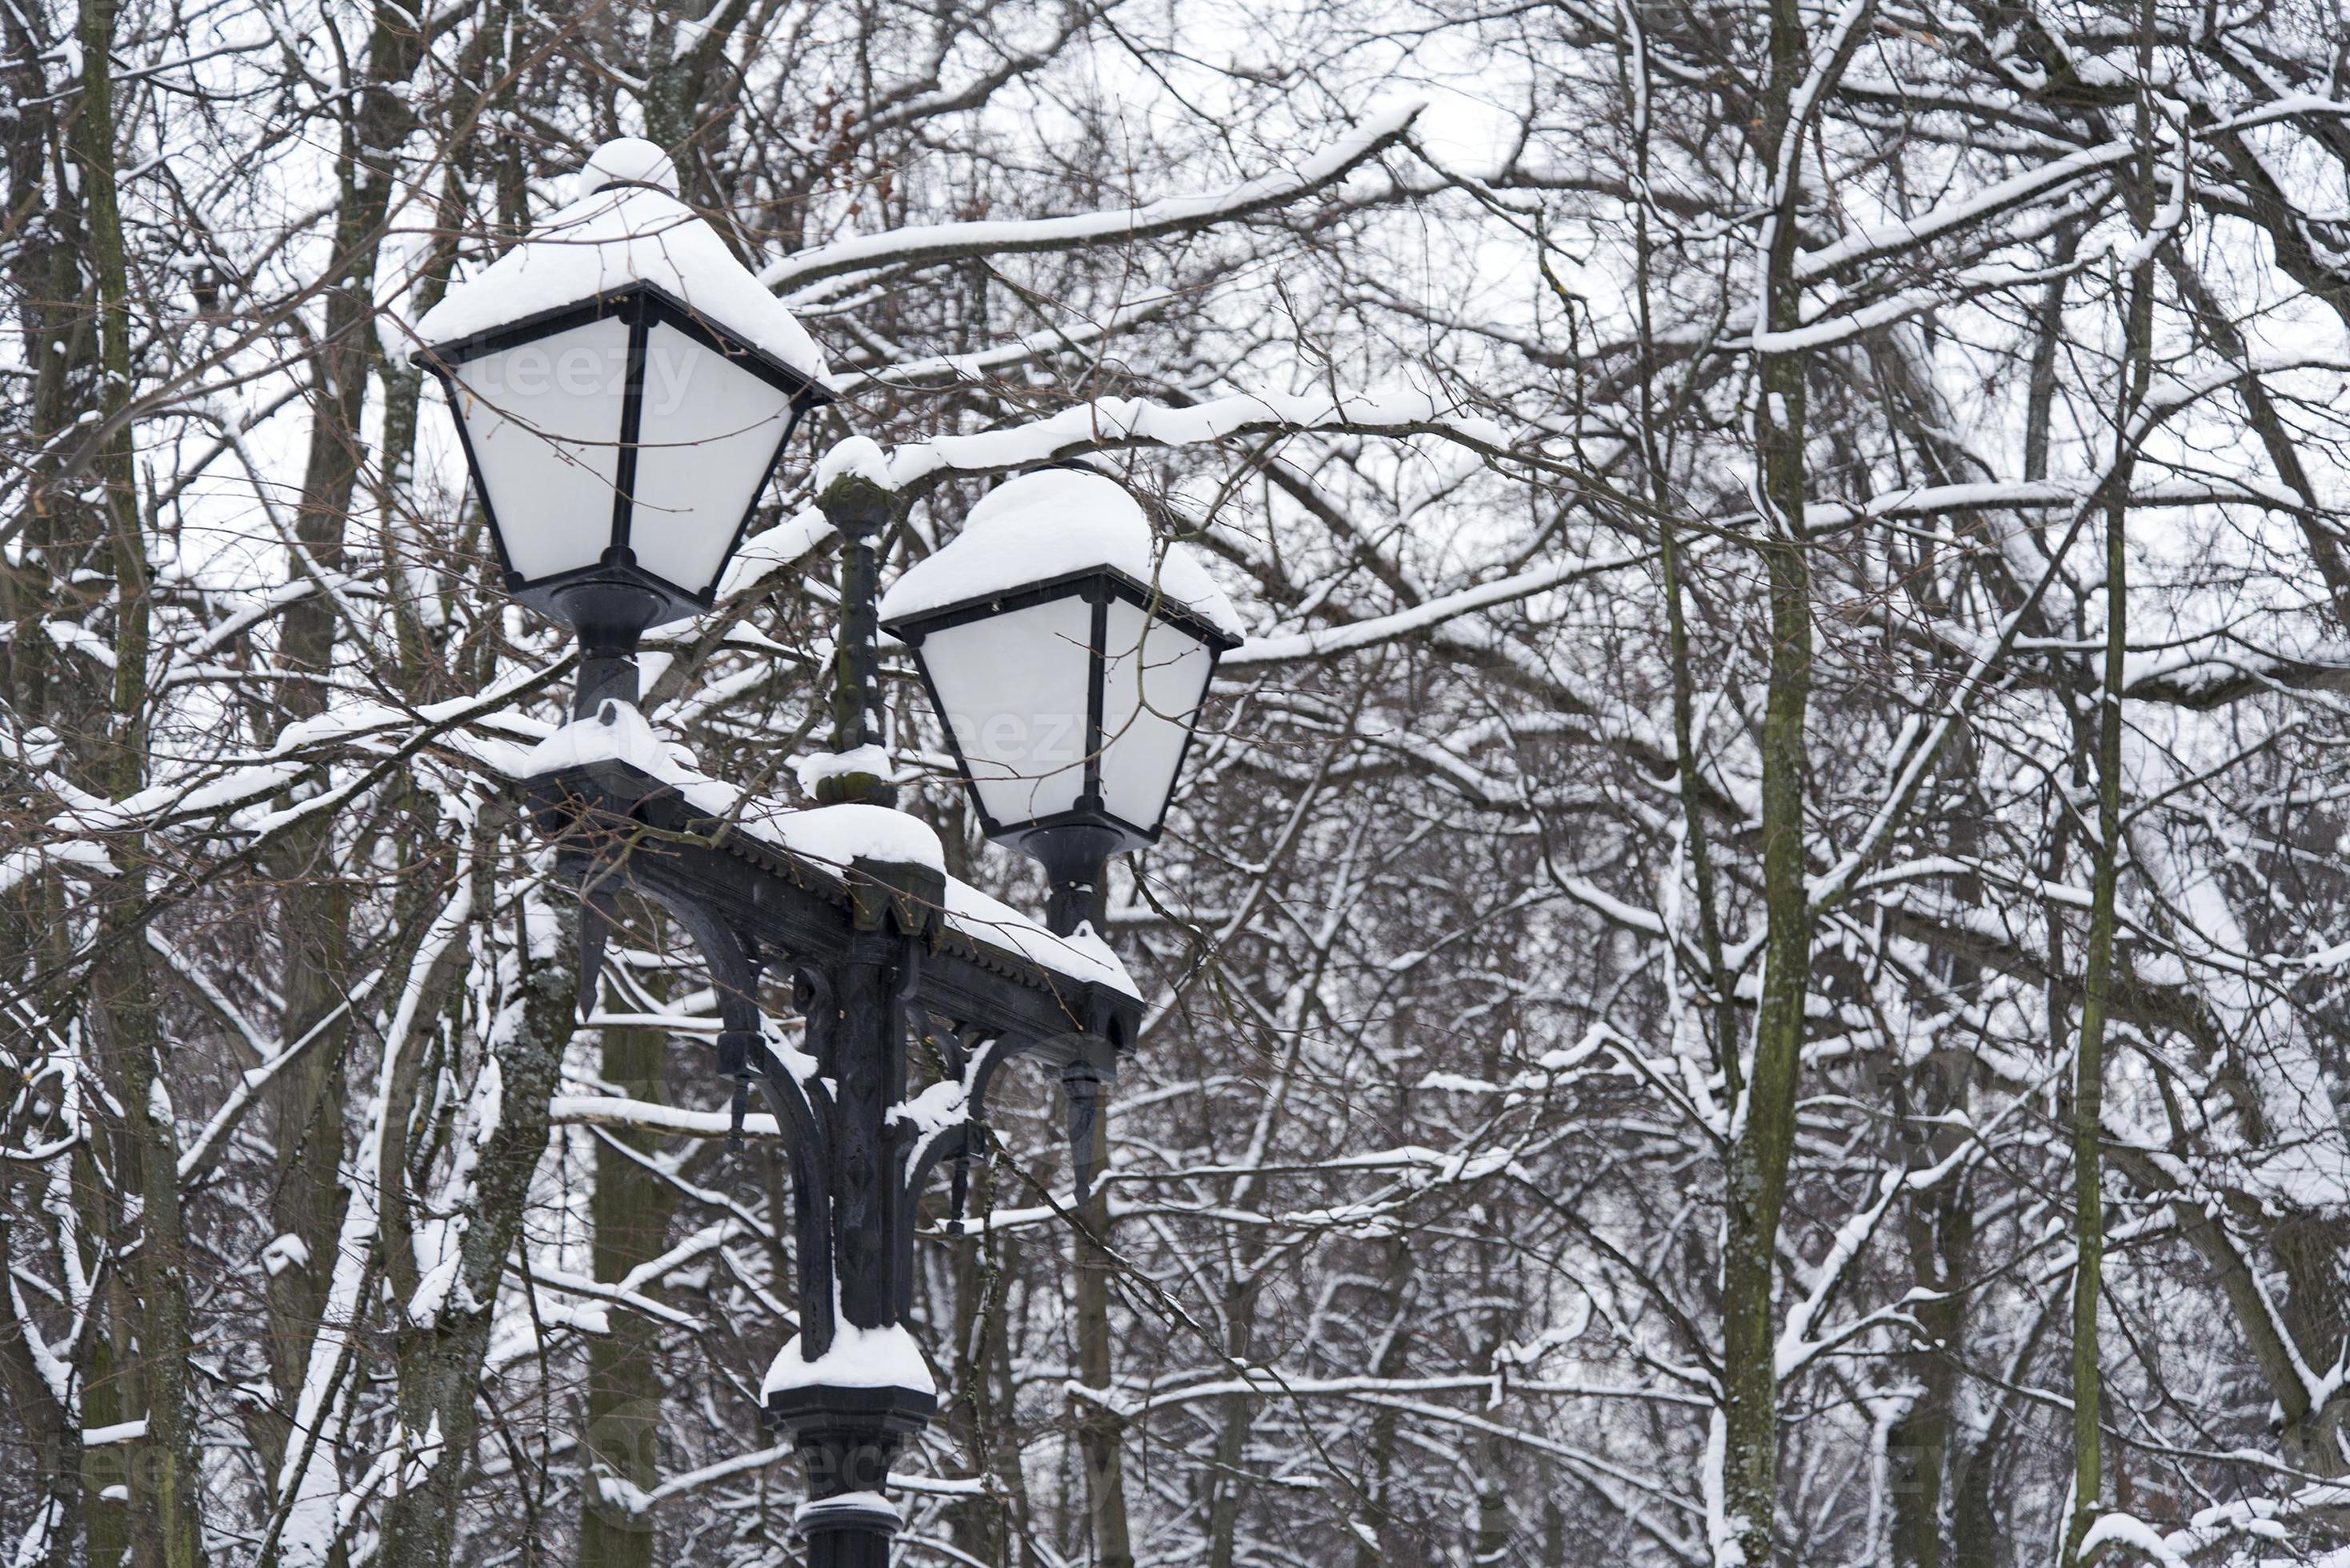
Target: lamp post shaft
866,1059
848,1548
855,1006
1076,875
609,615
1088,1084
608,675
1078,899
858,509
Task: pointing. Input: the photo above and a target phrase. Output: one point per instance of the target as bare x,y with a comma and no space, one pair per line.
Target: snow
613,237
932,242
286,1251
1113,421
1049,524
631,1498
422,1455
433,1290
1082,956
629,160
647,1116
250,779
842,1501
857,455
617,731
812,770
1723,1528
2122,1530
829,834
1433,612
762,555
860,1358
120,1432
19,864
585,1317
939,1106
1067,335
839,835
489,1106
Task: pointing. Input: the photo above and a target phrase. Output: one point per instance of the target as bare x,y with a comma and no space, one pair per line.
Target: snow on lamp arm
622,387
1067,660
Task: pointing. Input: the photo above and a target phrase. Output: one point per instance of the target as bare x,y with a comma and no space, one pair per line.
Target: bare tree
1747,968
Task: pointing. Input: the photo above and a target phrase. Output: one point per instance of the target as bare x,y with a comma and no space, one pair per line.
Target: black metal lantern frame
615,589
1089,822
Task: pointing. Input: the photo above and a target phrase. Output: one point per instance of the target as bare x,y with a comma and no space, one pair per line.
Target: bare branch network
1747,967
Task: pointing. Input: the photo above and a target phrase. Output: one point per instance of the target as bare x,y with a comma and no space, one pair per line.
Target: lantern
1067,659
623,386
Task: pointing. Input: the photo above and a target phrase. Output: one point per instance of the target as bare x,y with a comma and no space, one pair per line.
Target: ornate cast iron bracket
873,961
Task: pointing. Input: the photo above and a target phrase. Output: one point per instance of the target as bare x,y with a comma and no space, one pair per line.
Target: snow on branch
982,364
1420,616
2043,494
929,242
625,1115
1114,423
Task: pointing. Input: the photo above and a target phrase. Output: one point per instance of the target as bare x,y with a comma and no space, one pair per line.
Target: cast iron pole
856,1011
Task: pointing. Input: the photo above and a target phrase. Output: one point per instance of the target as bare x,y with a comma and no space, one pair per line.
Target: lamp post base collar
861,1511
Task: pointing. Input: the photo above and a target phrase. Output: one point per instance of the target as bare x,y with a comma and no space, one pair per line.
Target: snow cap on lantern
623,386
628,160
1065,655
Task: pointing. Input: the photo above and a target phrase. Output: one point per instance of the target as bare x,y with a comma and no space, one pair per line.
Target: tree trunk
440,1364
1234,1417
1380,1444
980,1415
1939,1229
1762,1137
166,1482
307,1101
52,1424
2089,1052
630,1209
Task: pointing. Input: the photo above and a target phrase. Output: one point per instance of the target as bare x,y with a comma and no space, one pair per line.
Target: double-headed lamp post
623,387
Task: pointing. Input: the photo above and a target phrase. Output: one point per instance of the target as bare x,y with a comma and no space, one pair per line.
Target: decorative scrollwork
813,998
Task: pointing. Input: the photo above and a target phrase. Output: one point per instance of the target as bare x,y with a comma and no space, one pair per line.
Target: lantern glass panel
542,419
1154,676
706,437
1012,689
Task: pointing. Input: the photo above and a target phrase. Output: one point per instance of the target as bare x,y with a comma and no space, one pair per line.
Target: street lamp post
623,387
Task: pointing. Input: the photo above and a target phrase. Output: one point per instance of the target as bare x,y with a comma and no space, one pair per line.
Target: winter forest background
1701,916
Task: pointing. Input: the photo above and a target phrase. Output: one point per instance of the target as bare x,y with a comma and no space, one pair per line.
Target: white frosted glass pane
1153,679
543,420
1012,688
706,432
